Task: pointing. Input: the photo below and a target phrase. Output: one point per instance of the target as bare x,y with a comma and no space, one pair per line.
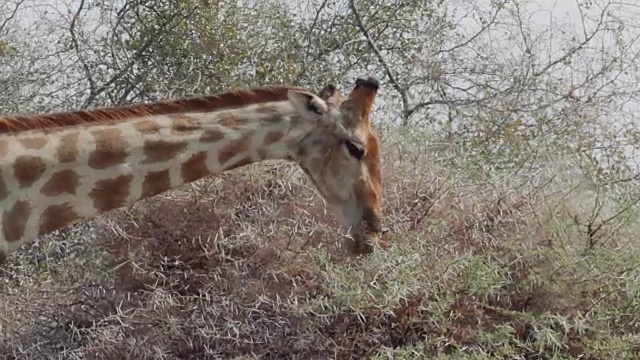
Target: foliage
510,175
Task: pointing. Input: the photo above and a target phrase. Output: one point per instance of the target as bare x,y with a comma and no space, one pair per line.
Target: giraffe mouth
360,243
364,234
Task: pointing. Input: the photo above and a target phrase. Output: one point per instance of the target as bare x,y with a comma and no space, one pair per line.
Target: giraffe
60,168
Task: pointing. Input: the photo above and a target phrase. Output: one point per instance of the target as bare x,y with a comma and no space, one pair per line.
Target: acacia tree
481,77
199,48
502,86
115,52
16,60
506,95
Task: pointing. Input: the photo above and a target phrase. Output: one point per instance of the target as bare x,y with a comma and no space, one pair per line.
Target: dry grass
249,265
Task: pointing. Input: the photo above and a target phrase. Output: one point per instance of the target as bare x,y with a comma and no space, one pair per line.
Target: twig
13,15
303,71
385,65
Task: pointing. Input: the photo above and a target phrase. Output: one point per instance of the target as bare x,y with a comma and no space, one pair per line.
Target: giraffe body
58,169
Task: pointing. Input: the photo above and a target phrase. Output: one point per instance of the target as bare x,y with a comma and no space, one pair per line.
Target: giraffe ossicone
57,169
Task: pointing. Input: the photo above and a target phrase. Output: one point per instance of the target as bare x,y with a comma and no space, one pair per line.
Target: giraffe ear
308,105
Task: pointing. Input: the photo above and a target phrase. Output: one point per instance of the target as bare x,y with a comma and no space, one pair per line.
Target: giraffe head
341,157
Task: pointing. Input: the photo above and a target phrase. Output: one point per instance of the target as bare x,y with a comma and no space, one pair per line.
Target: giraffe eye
356,150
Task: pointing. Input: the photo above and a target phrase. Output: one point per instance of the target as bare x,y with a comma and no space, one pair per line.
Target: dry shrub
250,265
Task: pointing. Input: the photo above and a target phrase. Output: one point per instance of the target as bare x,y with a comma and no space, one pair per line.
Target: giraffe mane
234,98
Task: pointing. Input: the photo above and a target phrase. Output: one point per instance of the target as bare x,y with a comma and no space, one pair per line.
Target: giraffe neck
51,179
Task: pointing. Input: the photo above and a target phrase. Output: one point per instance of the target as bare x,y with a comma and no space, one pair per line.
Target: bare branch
482,30
396,85
303,71
76,46
134,59
576,48
12,15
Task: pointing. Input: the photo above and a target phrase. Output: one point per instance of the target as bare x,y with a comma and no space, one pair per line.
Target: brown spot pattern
33,142
4,192
67,150
56,217
155,183
275,119
111,193
183,124
232,120
267,109
28,169
272,137
146,126
4,148
195,168
263,154
14,221
111,149
242,162
161,150
63,181
234,148
211,135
